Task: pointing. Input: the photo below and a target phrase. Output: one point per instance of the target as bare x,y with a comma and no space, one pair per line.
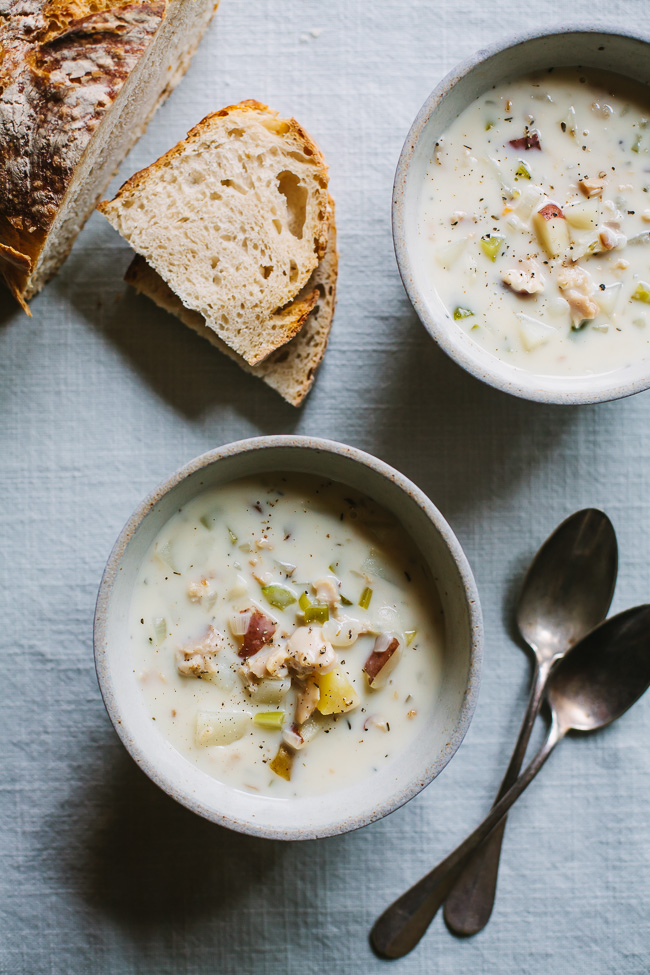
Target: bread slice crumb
234,219
290,370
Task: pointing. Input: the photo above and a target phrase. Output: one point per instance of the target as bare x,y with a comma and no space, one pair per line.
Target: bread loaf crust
62,66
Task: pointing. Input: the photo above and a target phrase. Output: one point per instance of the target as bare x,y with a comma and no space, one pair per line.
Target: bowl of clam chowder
288,638
521,215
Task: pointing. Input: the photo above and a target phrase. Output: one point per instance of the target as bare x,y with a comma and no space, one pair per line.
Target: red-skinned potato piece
377,661
260,632
528,141
551,228
551,211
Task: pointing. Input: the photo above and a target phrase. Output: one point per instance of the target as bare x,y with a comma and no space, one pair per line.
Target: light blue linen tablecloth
102,396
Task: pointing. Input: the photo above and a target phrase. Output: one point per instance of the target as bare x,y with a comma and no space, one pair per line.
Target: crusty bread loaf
234,219
289,370
79,80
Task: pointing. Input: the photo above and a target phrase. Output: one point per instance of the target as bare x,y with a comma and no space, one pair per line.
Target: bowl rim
442,334
102,652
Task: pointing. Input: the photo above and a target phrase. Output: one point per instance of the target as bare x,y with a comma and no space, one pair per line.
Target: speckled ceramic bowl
612,50
348,808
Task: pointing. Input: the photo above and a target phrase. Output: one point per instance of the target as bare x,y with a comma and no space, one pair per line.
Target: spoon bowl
604,675
569,586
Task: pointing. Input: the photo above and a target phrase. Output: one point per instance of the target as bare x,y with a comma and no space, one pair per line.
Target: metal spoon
567,591
595,683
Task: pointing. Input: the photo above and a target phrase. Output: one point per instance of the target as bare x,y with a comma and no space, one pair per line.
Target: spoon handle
400,927
469,904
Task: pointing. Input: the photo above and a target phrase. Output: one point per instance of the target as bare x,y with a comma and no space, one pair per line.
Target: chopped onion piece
221,727
342,632
287,567
165,554
240,622
373,566
269,691
608,297
160,630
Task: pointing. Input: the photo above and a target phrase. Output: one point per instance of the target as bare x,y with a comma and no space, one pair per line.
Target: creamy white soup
534,222
286,635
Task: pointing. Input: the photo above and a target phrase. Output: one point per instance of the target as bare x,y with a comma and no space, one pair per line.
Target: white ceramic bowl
348,808
617,51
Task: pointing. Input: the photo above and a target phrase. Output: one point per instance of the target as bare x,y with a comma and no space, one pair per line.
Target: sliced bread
79,81
290,370
234,219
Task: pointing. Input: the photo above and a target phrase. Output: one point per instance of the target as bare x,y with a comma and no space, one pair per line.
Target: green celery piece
333,567
522,170
233,538
637,144
304,602
580,325
316,613
271,720
410,636
345,601
491,245
278,596
489,125
365,597
642,293
460,312
209,519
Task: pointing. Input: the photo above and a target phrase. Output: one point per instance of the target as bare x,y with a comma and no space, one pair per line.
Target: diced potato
223,676
337,694
533,334
584,215
552,230
221,727
447,256
283,762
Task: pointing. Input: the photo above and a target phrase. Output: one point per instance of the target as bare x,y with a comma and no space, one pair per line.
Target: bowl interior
325,814
617,53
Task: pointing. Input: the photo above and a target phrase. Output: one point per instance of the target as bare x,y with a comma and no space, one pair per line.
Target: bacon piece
592,185
197,659
379,657
528,141
259,633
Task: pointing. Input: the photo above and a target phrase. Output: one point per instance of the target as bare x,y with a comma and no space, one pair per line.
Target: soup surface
534,222
286,636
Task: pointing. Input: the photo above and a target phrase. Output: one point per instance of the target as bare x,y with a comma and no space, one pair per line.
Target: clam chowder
534,222
286,635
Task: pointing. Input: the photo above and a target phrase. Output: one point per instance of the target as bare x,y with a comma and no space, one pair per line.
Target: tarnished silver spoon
566,593
593,685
